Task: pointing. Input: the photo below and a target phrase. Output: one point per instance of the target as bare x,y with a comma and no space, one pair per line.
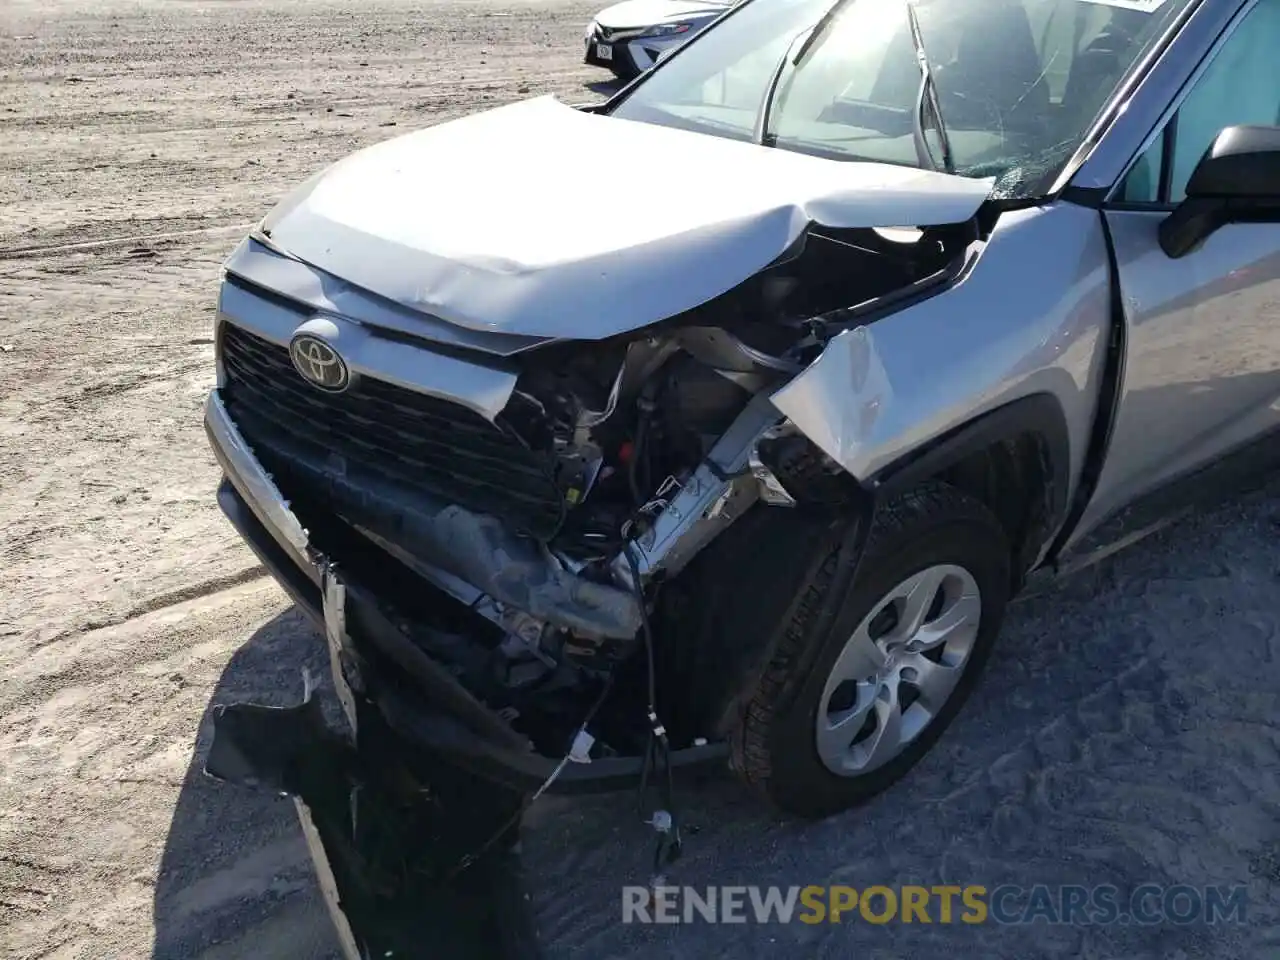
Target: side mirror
1236,181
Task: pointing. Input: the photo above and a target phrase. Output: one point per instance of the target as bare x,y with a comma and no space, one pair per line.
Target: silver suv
919,295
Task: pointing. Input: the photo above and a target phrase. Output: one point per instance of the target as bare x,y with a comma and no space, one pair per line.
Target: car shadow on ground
605,88
235,878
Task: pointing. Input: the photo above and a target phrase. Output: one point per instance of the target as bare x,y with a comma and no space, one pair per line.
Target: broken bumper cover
431,715
387,847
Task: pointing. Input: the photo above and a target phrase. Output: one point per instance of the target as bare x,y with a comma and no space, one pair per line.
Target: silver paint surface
441,222
1027,318
264,266
1203,360
255,485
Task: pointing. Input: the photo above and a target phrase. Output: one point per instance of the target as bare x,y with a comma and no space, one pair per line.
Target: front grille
420,444
616,33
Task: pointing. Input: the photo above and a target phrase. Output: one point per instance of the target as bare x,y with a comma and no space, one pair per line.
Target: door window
1240,86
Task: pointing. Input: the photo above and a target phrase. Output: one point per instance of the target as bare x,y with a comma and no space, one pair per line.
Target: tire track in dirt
141,239
173,598
101,651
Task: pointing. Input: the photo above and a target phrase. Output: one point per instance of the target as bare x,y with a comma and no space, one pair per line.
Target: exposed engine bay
558,533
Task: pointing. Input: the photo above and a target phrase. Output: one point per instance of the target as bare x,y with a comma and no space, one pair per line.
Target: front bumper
629,55
430,776
387,846
426,711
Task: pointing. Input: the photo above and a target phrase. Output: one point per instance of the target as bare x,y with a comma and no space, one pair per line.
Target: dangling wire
664,821
514,819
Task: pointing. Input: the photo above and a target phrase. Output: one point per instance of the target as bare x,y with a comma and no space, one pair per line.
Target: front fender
1028,319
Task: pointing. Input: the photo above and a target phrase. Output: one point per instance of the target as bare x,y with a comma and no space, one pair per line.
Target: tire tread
750,753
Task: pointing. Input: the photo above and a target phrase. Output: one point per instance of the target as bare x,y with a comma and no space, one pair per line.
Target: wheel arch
1016,459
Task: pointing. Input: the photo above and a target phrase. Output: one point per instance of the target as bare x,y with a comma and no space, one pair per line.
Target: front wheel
843,711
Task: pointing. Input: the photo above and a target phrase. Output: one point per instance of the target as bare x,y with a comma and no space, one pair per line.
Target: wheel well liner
1027,436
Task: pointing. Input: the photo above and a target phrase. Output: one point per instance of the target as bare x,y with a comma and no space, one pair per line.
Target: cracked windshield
983,88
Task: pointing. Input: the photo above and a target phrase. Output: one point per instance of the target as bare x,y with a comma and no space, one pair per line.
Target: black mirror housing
1241,163
1237,180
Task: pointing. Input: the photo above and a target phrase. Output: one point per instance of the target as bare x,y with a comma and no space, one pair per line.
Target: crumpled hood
648,13
541,220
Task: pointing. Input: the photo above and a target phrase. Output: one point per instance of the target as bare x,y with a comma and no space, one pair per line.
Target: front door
1203,357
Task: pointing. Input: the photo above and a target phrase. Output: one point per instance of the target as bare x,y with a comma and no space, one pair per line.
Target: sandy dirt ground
1126,733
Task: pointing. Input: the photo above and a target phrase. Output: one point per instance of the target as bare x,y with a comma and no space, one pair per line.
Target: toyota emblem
319,364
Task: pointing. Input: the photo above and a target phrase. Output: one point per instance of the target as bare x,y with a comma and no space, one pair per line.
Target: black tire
774,746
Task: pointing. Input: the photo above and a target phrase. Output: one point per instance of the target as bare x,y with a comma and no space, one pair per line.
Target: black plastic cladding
1040,415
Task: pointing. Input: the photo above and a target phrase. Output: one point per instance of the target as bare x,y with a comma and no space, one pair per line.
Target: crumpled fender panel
1029,317
490,222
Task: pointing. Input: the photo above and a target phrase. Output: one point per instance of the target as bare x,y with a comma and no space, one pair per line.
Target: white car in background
629,37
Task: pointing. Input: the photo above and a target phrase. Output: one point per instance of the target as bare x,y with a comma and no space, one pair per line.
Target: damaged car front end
508,532
578,507
503,511
508,455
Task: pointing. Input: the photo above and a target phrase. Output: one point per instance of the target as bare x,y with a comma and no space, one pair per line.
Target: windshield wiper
761,132
927,96
809,38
